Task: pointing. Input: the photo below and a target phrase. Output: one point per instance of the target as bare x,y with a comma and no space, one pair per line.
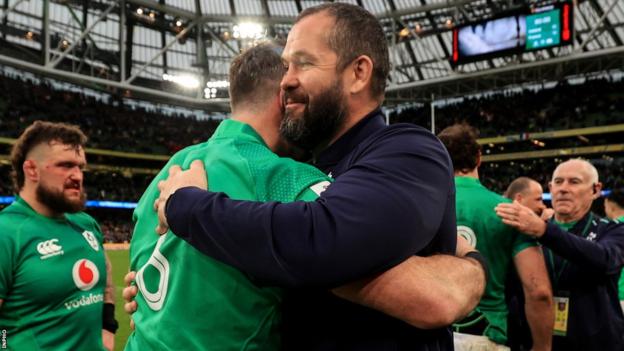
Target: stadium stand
114,126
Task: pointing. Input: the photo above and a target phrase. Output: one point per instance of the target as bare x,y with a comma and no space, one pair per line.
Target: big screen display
524,30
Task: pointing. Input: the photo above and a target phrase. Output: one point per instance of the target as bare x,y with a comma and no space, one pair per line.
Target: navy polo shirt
393,197
584,264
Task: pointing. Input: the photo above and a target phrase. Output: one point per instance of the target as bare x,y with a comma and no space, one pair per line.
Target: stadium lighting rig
248,30
185,81
213,86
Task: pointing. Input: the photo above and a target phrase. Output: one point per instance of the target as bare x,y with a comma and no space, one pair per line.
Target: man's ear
597,188
31,171
361,70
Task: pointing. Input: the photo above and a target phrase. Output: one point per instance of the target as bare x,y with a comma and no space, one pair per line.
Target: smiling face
313,93
573,189
60,177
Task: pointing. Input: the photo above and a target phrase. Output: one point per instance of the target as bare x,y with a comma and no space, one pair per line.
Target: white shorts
469,342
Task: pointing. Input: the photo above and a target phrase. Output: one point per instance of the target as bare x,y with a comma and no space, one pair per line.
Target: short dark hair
461,143
255,74
617,196
38,133
519,185
356,32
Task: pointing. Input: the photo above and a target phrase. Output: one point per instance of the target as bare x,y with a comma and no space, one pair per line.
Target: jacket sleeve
604,256
386,207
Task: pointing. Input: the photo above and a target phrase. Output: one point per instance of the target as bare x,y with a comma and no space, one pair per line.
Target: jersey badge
319,187
468,234
91,239
49,248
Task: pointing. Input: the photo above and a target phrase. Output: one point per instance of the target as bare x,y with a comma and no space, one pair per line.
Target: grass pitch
121,261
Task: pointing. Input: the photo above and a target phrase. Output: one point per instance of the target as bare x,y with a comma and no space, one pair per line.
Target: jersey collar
467,182
231,128
25,206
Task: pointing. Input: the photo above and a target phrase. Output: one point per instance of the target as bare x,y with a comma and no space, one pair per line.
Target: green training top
52,280
188,301
499,243
621,281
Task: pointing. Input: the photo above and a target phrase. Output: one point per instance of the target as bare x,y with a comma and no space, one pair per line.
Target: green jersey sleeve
284,179
522,242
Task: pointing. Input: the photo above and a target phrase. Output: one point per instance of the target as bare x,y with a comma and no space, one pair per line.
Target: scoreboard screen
543,30
513,33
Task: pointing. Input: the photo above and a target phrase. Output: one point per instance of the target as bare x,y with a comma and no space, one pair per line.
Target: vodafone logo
85,274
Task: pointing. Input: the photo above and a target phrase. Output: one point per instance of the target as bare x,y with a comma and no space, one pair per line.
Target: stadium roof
175,39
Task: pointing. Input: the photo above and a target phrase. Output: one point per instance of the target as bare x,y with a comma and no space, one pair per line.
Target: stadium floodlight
185,81
210,93
248,30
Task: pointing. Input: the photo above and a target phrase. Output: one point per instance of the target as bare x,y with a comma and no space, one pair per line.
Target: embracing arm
363,223
426,292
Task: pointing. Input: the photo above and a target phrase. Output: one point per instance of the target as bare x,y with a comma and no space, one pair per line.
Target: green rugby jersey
188,301
52,280
499,243
621,281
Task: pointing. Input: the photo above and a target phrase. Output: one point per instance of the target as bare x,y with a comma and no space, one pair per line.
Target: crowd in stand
115,126
596,102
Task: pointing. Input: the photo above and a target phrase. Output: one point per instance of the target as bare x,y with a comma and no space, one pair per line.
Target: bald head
527,192
583,167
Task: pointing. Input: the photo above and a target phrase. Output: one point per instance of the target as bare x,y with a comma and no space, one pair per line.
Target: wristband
477,256
108,318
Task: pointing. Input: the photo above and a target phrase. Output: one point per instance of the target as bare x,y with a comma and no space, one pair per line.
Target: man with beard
241,163
393,196
584,255
54,291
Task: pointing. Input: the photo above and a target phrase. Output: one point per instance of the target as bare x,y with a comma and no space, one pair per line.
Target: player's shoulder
17,224
84,220
14,218
607,225
410,135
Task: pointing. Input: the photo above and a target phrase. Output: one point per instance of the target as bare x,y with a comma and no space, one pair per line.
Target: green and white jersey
52,280
188,301
621,281
499,243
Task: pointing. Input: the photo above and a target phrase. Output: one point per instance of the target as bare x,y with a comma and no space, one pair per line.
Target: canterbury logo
49,249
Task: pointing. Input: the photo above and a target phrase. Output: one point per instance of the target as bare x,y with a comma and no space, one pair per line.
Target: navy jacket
393,197
584,264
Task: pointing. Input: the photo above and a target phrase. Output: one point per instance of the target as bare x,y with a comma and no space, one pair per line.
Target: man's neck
567,218
263,123
470,174
618,214
357,111
29,196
